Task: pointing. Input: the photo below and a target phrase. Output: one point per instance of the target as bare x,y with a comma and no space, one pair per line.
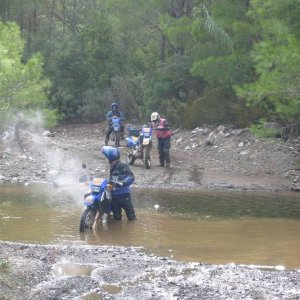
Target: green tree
276,88
23,87
222,37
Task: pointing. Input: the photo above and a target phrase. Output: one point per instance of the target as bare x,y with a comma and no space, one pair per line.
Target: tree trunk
51,19
29,31
181,8
163,49
64,15
35,29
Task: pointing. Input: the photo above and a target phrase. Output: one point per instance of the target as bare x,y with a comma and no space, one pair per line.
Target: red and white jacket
162,129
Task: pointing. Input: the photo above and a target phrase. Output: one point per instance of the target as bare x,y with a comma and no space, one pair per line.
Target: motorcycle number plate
147,132
95,189
146,141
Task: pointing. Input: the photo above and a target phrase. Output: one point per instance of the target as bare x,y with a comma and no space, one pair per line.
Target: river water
212,227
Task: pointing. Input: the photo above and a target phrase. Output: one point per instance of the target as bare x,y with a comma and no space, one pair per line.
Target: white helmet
154,116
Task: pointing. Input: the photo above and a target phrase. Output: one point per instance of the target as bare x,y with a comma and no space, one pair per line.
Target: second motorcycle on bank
139,145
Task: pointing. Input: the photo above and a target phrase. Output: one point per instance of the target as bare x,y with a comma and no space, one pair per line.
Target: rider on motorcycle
113,113
123,176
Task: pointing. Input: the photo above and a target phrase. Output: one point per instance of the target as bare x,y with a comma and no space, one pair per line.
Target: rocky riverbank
102,272
204,158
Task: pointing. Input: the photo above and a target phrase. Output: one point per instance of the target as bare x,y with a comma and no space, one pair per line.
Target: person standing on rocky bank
163,134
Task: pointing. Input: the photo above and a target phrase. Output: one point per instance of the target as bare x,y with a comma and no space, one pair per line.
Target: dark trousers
164,146
123,202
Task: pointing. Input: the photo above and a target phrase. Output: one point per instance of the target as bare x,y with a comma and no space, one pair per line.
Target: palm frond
217,32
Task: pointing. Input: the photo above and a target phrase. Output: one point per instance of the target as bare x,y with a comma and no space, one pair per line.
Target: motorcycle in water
139,145
97,201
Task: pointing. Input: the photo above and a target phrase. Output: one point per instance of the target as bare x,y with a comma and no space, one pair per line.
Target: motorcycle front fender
90,200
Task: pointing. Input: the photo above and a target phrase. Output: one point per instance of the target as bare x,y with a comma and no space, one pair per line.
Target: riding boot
167,158
106,142
168,162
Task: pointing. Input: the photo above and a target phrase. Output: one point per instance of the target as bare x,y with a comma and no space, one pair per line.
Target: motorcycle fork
97,216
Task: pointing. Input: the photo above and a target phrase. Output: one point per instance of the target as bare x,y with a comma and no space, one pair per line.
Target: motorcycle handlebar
115,183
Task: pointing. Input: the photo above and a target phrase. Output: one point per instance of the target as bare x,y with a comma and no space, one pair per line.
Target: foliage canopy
193,61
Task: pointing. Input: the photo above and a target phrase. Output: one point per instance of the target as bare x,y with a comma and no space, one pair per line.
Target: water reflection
221,204
193,226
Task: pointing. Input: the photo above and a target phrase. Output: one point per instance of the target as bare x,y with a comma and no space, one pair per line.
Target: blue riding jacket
120,171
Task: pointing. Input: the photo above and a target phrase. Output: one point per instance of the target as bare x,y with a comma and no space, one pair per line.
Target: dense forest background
193,61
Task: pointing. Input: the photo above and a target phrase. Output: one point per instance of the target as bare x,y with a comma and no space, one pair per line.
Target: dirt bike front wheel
117,138
87,219
147,157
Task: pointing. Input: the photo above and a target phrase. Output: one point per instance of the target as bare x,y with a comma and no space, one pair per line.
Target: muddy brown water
213,227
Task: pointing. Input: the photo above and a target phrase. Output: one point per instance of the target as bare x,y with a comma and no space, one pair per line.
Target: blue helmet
114,105
111,153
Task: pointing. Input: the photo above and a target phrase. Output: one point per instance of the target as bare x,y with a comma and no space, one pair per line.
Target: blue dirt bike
116,130
139,145
97,201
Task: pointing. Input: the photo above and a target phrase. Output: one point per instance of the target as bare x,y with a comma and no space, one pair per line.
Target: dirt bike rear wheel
117,138
147,157
87,219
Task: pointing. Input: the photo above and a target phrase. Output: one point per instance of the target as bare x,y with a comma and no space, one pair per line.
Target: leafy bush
260,130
